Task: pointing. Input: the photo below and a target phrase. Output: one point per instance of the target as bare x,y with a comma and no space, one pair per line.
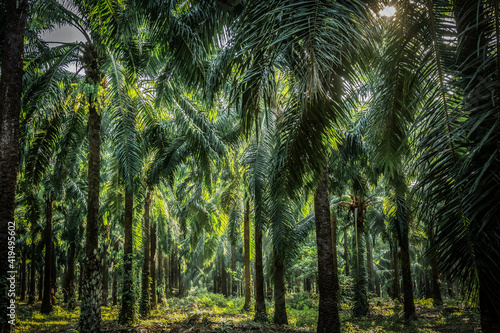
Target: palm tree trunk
53,278
40,285
10,107
167,277
436,291
396,292
402,224
328,283
159,287
114,288
234,283
223,276
32,285
280,317
260,302
346,253
90,315
71,276
47,293
105,273
246,238
369,256
145,304
152,266
22,295
127,309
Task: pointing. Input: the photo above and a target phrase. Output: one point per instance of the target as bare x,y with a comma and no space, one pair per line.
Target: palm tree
461,161
13,14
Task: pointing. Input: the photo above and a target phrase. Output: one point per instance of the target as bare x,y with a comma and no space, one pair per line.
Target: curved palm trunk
90,315
260,303
127,309
328,284
10,107
246,237
145,305
47,292
280,317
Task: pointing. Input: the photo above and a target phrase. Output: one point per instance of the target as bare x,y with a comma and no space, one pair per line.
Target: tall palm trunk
246,238
346,254
436,291
71,276
234,283
127,309
105,267
47,293
402,226
114,288
10,107
280,317
396,291
328,283
32,284
260,303
152,266
159,294
40,285
145,305
53,277
22,295
90,315
369,259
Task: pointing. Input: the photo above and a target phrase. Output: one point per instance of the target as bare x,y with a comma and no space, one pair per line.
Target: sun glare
388,11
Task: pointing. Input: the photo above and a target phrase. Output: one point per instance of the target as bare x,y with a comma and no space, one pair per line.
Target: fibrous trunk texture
90,308
70,277
152,267
47,293
127,309
114,288
10,106
280,316
246,238
328,284
260,303
145,305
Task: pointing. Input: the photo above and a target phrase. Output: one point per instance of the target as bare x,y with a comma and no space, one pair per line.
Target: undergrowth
222,314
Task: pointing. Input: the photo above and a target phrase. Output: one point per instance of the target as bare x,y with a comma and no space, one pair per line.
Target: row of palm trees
292,76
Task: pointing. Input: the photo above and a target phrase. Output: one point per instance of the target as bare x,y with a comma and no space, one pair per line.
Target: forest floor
209,313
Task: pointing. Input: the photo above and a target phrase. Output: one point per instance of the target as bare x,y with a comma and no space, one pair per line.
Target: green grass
215,313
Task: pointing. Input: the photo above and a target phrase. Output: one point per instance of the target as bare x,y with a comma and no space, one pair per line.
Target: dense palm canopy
180,141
